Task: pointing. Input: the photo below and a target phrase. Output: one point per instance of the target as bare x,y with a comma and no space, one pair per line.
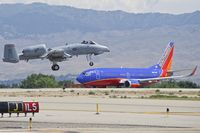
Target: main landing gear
55,67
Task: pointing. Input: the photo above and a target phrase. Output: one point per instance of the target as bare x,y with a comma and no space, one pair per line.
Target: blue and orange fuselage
102,77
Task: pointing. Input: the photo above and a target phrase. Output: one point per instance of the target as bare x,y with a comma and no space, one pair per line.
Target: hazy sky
164,6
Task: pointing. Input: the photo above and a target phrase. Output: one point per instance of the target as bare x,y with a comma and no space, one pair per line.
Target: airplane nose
106,49
79,78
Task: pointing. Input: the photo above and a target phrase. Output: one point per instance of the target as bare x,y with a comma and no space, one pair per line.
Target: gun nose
106,49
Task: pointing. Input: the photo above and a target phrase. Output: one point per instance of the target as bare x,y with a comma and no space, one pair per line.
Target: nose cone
100,49
106,49
79,78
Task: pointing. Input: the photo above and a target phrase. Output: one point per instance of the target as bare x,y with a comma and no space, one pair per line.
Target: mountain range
18,20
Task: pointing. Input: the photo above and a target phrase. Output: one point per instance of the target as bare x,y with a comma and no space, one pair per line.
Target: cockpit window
91,42
87,42
84,42
88,73
83,73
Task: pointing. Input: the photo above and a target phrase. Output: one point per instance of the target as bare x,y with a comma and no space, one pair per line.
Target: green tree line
43,81
39,81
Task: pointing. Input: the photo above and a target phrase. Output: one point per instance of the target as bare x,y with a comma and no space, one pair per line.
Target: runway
77,114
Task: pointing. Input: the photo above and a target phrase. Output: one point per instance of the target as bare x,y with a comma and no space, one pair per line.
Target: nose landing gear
89,58
55,67
91,63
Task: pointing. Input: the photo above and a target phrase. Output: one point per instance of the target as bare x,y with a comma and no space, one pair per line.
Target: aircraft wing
172,71
56,53
44,56
170,77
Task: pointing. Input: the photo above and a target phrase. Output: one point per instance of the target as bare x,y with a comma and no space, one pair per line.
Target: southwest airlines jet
132,77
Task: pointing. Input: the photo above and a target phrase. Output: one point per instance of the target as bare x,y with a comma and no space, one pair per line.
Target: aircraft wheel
91,63
55,67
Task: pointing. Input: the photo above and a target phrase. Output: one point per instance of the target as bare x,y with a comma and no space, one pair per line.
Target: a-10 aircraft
55,55
132,77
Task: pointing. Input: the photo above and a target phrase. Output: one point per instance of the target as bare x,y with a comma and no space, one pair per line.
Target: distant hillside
17,20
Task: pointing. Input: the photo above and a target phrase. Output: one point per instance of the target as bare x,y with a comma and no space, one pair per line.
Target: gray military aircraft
55,55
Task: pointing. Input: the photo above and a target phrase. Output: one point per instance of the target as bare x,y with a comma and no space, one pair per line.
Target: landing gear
55,67
91,63
89,58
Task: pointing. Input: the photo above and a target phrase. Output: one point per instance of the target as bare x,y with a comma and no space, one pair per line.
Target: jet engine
33,52
127,83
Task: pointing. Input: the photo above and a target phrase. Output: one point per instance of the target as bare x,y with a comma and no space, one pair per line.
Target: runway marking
150,113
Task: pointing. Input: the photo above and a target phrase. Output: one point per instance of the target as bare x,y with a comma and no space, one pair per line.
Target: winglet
193,72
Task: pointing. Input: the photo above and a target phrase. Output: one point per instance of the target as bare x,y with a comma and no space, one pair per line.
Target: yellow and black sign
15,107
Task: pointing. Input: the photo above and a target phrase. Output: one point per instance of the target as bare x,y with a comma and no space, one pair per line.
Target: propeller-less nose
79,78
105,49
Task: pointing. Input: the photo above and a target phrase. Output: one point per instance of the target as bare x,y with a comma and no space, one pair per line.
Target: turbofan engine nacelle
33,52
125,83
129,83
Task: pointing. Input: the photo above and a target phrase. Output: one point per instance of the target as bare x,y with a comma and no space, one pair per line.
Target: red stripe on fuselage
104,82
135,85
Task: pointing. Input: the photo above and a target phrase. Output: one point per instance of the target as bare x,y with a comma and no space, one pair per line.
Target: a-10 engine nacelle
33,52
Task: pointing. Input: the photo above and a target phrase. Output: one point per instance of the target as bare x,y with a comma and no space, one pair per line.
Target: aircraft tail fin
10,54
166,60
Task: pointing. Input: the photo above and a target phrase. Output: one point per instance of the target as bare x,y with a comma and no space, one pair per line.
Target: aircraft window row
110,74
87,42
